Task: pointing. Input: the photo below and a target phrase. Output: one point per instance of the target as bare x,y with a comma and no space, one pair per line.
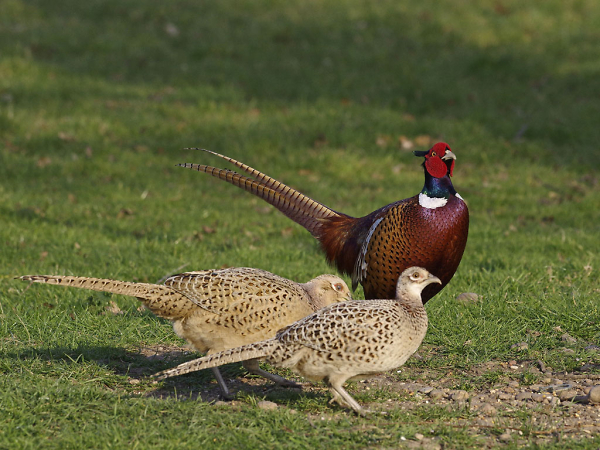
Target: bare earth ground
521,402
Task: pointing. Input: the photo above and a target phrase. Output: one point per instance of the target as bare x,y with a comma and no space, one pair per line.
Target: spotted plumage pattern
428,230
219,309
353,339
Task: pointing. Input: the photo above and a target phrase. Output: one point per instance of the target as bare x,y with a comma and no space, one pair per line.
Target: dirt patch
517,402
556,406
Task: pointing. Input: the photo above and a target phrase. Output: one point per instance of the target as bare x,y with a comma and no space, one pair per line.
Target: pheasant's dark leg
224,389
342,397
252,367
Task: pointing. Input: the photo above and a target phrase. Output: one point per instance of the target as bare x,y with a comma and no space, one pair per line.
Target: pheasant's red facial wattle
436,160
435,166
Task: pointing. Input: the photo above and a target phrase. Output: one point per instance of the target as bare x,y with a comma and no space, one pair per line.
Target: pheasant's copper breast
411,235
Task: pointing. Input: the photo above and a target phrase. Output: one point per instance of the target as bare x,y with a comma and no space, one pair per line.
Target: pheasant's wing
347,326
240,291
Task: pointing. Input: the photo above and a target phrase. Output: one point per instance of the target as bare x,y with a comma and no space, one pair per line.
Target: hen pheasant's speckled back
343,341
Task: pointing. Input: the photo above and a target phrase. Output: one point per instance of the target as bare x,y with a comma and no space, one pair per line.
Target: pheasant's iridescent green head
439,160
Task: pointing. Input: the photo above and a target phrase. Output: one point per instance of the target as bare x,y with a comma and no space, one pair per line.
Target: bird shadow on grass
138,364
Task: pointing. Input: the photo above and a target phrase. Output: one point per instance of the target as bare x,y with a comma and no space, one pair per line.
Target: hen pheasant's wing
348,326
244,291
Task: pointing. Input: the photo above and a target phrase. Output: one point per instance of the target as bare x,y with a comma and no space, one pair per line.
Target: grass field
98,100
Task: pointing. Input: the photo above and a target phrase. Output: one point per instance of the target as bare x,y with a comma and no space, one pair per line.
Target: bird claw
226,396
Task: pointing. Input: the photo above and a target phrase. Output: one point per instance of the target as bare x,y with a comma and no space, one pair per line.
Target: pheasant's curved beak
434,279
449,155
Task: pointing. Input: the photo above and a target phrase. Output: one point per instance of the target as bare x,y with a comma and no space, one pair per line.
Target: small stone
134,381
592,348
547,380
221,403
567,394
537,397
513,383
557,387
425,390
487,409
555,401
419,436
594,394
523,396
467,297
267,405
436,394
568,338
505,437
505,396
485,422
520,346
567,351
587,389
460,395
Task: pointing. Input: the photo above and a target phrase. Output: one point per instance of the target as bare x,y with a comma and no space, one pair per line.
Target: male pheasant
219,309
353,339
428,230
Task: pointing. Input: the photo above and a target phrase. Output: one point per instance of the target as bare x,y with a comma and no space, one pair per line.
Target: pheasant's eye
433,153
338,287
415,276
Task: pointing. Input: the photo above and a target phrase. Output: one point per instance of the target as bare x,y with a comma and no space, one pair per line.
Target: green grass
98,100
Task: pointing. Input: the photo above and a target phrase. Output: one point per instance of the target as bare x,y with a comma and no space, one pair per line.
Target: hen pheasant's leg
252,367
342,397
224,389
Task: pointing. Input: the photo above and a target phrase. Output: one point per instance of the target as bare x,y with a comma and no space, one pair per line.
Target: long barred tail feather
295,205
243,353
262,178
161,300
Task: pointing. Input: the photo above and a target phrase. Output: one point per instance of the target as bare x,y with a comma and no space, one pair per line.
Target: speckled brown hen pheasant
428,230
219,309
347,340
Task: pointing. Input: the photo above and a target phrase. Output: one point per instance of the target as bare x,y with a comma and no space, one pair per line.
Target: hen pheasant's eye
433,153
338,287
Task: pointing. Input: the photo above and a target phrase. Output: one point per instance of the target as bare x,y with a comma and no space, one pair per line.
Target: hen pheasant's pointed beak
434,279
449,155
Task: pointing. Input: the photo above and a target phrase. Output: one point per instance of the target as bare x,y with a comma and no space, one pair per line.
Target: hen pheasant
353,339
428,230
216,310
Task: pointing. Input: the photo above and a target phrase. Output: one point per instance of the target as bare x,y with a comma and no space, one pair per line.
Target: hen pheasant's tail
295,205
161,300
244,353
